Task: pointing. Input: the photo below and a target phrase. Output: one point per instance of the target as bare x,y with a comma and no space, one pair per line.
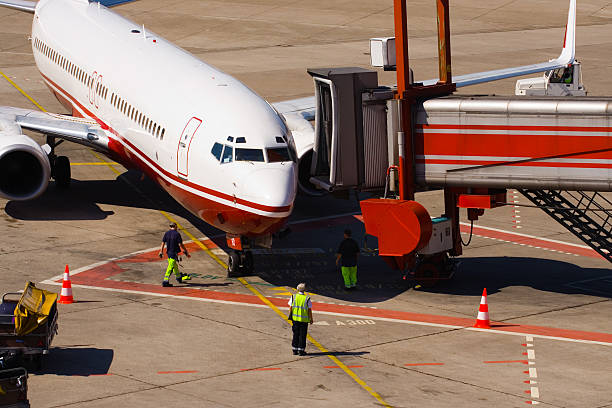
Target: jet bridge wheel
61,172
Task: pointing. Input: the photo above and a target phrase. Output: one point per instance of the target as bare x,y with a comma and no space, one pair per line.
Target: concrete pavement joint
441,377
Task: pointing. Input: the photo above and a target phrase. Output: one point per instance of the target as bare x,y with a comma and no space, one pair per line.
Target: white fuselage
164,110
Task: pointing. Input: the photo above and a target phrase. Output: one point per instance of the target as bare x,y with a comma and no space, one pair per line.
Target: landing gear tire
61,172
233,265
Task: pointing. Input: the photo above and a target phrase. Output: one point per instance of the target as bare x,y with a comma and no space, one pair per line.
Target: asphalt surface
216,342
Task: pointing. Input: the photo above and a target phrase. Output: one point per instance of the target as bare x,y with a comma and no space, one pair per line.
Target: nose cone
274,187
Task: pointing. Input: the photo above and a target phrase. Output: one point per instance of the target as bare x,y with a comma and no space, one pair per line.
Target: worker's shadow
339,353
77,361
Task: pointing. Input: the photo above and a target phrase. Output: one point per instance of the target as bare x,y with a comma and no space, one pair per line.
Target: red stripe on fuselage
224,217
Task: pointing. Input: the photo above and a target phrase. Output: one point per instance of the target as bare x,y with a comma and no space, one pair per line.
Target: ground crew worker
300,312
347,258
173,242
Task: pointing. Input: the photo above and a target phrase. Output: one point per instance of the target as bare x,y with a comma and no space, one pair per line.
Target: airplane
214,145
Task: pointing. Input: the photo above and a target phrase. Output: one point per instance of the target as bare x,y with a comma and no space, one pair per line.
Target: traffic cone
482,321
66,294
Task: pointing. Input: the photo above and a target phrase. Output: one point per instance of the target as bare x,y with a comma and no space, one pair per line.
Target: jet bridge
556,151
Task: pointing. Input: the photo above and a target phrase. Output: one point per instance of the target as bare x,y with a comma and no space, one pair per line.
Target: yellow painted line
22,92
94,164
319,346
224,265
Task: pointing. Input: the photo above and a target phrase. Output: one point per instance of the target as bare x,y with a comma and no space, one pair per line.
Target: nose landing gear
240,261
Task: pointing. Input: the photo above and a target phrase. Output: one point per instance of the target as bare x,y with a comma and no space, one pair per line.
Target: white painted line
533,372
384,319
531,354
529,344
532,362
529,338
535,392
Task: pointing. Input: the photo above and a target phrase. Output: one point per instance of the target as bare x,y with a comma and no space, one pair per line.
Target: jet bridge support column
416,227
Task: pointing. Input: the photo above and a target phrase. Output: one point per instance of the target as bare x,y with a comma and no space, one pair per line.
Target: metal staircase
587,215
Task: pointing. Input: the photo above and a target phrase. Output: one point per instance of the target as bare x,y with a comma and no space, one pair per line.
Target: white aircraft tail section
569,42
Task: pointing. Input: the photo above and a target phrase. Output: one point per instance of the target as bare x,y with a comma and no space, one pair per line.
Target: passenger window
216,151
228,154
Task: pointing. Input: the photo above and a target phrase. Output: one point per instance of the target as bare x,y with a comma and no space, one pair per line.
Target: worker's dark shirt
348,251
172,238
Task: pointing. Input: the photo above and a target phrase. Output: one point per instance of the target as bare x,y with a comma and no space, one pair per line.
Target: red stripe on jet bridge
149,162
531,241
96,278
541,128
521,164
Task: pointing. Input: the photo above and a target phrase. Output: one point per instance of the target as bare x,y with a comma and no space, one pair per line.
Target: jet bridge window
278,154
228,154
253,155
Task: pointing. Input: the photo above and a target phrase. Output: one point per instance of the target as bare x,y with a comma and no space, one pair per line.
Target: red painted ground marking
526,372
536,242
506,361
349,366
97,277
178,372
528,392
524,345
260,369
527,381
423,364
524,354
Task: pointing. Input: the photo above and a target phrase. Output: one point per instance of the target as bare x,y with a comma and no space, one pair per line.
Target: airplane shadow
497,273
82,200
377,282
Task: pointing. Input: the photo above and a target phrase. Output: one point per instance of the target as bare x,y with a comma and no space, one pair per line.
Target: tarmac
223,342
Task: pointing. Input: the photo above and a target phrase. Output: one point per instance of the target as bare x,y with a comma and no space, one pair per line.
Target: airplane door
182,156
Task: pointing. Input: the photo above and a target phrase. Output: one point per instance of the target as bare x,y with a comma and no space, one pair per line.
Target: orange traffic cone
66,295
482,321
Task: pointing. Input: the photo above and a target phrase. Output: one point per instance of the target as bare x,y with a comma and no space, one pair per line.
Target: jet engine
24,165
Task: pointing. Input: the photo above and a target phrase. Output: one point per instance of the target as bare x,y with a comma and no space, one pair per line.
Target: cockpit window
228,154
254,155
278,154
216,151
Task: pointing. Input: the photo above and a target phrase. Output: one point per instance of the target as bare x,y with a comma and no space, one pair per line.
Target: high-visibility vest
299,308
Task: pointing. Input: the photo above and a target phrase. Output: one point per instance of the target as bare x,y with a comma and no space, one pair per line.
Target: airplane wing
30,6
565,58
83,131
306,106
21,5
